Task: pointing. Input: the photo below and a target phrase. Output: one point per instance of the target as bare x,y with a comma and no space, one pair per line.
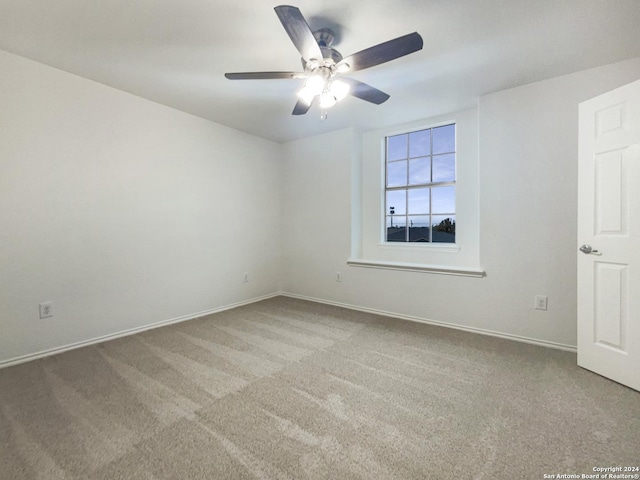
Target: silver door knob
586,249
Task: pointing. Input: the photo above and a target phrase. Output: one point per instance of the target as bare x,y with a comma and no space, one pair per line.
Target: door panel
610,282
610,194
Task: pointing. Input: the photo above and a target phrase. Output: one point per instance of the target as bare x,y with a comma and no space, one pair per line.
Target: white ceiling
175,52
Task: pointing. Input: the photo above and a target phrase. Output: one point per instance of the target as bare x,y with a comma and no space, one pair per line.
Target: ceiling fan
324,66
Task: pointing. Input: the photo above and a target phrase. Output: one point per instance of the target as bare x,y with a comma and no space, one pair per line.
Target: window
420,187
452,136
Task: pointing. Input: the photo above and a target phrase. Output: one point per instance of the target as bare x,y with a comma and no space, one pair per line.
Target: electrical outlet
338,276
46,309
246,277
541,302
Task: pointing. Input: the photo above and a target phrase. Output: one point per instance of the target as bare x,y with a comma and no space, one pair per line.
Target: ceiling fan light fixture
312,64
306,95
327,100
315,84
339,89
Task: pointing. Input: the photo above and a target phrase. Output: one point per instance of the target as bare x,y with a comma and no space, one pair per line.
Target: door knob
586,249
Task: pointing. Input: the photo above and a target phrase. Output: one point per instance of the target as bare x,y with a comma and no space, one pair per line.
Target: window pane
396,221
419,200
444,229
396,229
444,168
443,200
419,171
444,139
396,174
396,147
397,201
419,228
420,143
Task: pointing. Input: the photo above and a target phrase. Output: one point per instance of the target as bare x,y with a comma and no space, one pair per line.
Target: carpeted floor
288,389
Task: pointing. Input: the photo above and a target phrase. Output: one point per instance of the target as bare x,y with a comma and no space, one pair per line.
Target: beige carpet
288,389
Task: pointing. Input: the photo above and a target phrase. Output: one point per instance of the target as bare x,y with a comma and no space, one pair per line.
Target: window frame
408,186
368,248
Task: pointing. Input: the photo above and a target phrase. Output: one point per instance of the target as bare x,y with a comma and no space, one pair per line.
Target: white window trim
371,249
414,267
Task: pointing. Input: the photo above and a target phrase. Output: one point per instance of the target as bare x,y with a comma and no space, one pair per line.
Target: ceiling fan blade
301,108
262,75
365,92
298,30
384,52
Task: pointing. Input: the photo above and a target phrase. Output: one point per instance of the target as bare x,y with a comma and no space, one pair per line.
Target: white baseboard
508,336
131,331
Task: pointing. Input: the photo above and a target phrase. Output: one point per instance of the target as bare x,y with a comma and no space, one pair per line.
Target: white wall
123,212
316,209
528,188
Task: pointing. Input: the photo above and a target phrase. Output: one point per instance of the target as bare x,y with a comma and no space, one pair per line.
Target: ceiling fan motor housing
330,56
325,37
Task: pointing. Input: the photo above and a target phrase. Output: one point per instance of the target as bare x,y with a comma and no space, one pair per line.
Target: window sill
436,247
417,267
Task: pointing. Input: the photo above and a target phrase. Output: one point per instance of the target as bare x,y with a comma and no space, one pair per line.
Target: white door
609,225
